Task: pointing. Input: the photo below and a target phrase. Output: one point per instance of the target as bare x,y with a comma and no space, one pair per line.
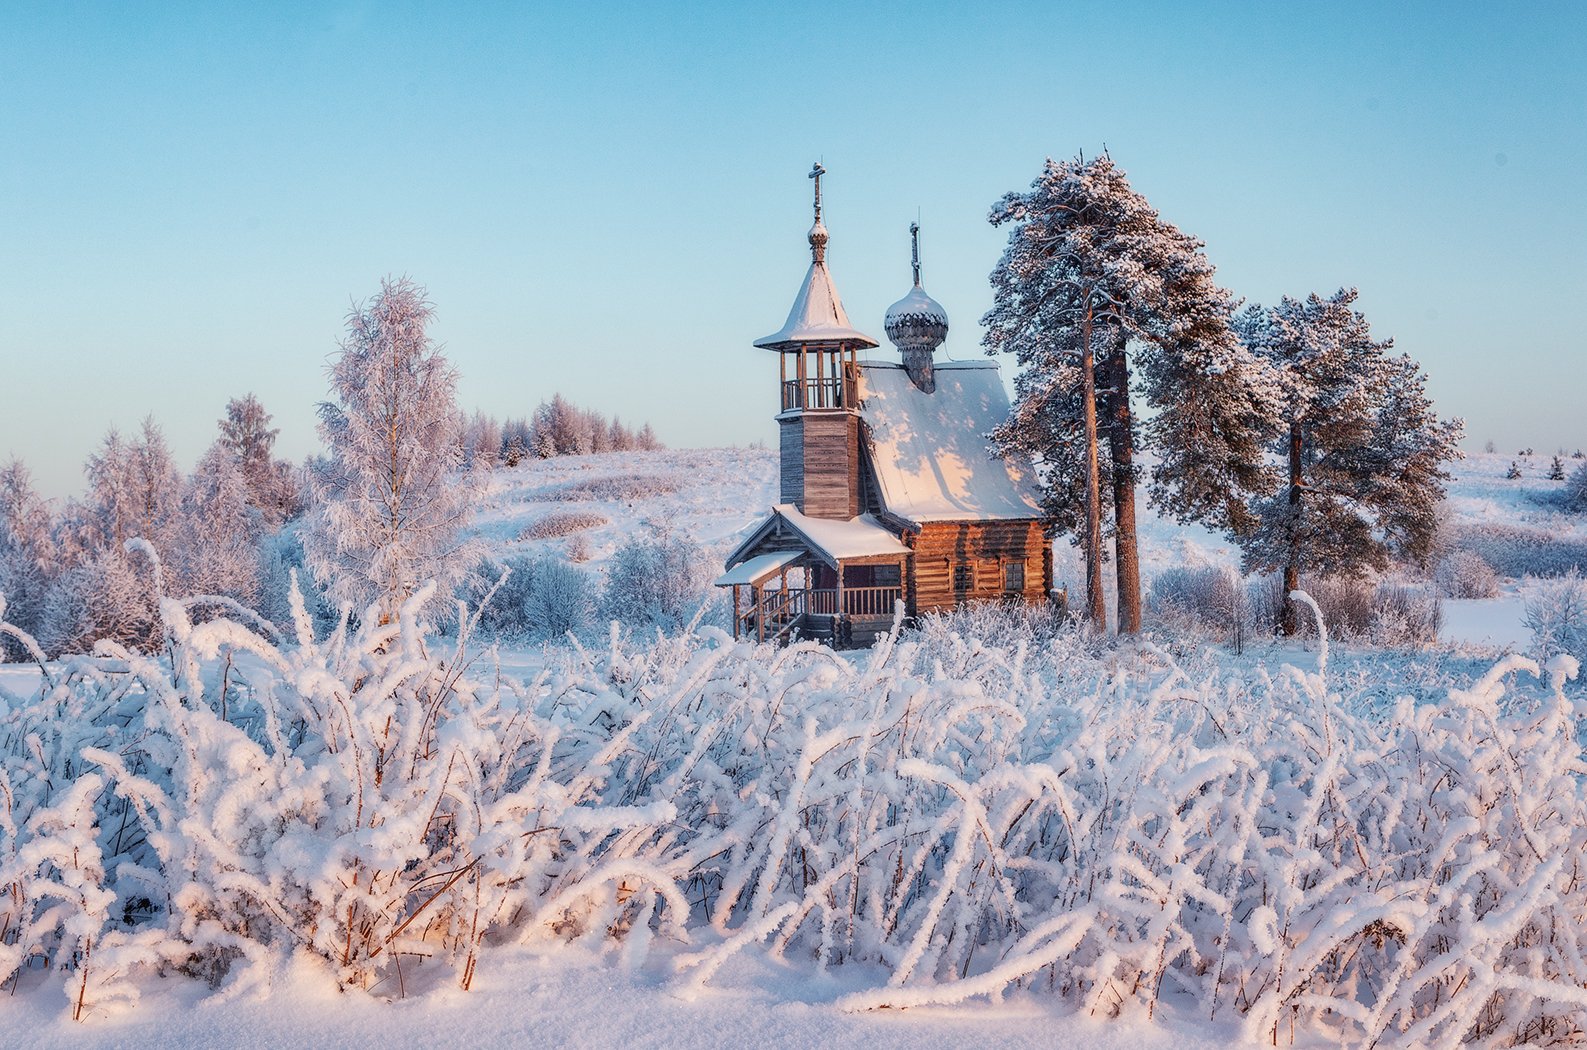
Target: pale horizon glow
612,204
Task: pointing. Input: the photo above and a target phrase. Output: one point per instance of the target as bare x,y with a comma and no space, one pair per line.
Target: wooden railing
857,601
776,615
823,392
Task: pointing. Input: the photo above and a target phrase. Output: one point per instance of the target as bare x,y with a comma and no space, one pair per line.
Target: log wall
958,562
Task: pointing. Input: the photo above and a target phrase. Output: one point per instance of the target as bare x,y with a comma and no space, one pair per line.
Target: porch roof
861,539
758,568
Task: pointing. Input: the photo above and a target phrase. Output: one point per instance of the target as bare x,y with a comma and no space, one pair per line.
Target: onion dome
917,321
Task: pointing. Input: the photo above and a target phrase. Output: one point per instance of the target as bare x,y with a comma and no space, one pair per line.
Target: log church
889,491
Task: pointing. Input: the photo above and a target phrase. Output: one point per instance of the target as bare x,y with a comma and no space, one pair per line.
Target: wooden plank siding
960,561
791,442
820,463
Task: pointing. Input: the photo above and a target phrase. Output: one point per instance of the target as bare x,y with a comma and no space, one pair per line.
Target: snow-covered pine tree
1093,273
28,554
1365,452
393,499
1514,473
1556,470
247,435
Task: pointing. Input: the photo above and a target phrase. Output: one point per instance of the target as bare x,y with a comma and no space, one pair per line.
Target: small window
1014,577
963,577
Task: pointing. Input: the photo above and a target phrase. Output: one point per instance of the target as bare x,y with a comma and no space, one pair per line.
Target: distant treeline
557,428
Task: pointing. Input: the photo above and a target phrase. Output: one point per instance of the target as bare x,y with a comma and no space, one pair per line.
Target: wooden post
735,612
760,614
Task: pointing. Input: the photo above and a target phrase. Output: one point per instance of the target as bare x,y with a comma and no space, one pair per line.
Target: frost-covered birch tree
28,557
247,434
1095,290
392,494
1364,452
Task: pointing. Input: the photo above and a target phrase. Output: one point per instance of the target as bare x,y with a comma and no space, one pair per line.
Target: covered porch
800,577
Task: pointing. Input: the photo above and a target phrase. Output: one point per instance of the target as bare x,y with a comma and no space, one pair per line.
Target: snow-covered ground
569,1000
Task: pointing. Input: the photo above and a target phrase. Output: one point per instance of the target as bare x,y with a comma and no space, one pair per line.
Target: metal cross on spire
818,232
914,250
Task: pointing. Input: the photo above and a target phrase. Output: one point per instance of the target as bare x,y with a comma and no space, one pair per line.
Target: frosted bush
655,582
1464,574
1575,494
1205,598
986,806
1405,617
1556,614
561,598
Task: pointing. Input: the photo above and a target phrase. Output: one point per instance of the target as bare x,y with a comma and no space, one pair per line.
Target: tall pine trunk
1096,605
1289,624
1121,447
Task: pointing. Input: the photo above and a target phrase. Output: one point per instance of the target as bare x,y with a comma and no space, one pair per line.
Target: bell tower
818,419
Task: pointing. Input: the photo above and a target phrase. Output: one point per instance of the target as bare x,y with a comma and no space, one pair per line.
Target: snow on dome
916,321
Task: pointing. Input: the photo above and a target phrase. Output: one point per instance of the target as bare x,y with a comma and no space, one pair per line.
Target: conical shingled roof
817,315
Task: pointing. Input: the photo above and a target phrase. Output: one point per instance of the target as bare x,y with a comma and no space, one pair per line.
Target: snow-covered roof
758,568
861,537
930,451
831,540
817,315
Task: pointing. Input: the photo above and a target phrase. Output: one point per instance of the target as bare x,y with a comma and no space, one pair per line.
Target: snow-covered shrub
357,795
1575,493
1556,614
1208,596
109,596
1524,550
982,806
542,597
561,598
659,582
562,523
1347,605
1405,617
1464,574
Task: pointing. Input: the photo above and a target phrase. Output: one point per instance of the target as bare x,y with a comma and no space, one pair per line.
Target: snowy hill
585,507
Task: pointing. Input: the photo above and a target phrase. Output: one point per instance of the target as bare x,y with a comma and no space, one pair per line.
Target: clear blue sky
610,200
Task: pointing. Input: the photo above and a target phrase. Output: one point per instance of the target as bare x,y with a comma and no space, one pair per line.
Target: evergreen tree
393,501
1094,289
1556,470
1364,452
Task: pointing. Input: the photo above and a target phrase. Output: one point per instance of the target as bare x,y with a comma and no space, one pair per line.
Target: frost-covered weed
619,488
562,523
988,804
